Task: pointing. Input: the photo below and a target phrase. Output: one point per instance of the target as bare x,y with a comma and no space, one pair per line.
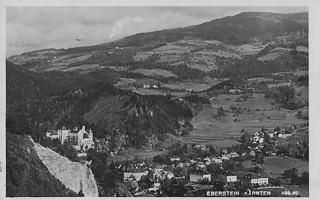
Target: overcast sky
34,28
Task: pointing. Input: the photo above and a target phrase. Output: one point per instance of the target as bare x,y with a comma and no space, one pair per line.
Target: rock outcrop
71,174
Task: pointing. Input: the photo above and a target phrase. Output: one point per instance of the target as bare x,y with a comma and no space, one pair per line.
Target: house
286,135
137,175
158,168
234,91
168,174
271,134
199,175
52,135
201,165
231,179
225,157
146,86
217,160
259,179
81,154
175,159
157,183
261,140
252,153
233,155
207,161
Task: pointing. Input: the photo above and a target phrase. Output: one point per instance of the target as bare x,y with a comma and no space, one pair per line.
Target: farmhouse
199,175
146,86
234,91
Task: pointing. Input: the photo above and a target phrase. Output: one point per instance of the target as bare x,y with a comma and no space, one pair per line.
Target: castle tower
90,135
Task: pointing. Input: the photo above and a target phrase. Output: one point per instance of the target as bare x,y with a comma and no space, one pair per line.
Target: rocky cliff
71,174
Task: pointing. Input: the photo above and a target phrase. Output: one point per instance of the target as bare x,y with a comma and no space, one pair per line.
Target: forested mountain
129,119
239,29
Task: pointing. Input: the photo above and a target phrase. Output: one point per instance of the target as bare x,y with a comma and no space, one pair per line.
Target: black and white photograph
160,99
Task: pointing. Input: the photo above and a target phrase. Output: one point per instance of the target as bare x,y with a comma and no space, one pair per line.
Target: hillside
197,46
241,28
26,175
124,116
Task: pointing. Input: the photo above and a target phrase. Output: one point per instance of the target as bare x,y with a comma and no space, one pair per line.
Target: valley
226,97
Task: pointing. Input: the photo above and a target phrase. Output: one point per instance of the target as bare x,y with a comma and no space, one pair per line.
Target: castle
80,140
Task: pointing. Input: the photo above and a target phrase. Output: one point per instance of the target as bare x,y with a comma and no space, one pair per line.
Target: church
79,139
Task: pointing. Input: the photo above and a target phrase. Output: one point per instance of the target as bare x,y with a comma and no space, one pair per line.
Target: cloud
119,25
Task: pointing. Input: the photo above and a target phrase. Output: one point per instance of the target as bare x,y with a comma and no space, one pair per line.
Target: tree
290,173
185,148
214,168
80,193
245,138
305,178
158,159
260,159
211,149
220,112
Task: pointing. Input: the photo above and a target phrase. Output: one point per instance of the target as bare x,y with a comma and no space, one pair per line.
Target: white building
260,180
175,159
231,179
234,91
81,139
199,175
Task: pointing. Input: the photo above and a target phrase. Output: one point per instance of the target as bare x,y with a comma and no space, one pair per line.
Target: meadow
275,166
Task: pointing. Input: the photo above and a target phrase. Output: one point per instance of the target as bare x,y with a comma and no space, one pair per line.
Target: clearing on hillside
275,166
151,72
274,53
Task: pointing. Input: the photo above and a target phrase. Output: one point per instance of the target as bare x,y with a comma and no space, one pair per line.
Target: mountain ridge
299,18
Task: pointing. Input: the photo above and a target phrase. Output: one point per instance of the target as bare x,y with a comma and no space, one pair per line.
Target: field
187,86
296,73
255,114
142,55
135,153
220,54
205,68
249,49
302,49
274,53
81,67
275,166
149,72
124,82
279,84
260,79
171,49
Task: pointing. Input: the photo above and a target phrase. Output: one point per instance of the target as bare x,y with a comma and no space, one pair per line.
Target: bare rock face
71,174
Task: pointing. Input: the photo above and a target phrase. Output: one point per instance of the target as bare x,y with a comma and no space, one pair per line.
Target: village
193,169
